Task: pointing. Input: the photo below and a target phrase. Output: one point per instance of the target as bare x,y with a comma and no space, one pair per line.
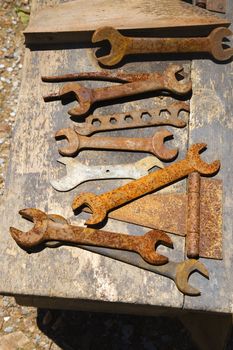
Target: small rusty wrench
124,45
154,145
56,228
166,81
78,172
179,272
134,119
100,205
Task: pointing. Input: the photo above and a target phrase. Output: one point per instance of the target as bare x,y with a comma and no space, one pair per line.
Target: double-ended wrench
179,272
124,45
56,228
77,172
154,144
101,204
166,81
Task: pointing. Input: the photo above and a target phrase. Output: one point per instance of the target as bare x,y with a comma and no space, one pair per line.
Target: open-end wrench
119,76
134,119
154,145
124,45
166,81
56,228
179,272
101,204
78,172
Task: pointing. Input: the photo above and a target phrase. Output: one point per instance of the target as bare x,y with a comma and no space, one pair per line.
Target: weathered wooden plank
82,17
69,272
211,121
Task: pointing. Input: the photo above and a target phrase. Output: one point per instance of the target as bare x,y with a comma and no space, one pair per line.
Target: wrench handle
146,184
129,89
167,45
119,143
143,245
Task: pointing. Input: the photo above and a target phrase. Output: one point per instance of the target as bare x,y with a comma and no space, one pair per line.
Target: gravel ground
28,328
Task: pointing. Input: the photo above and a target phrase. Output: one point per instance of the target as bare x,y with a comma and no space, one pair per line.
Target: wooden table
70,277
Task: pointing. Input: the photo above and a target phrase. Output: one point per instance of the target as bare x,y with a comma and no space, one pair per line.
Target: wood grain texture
211,122
69,272
83,17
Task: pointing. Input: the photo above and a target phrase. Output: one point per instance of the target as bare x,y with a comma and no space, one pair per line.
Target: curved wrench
78,172
179,272
154,145
56,228
100,205
167,81
123,45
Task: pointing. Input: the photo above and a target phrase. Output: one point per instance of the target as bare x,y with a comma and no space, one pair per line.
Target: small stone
37,338
8,329
6,318
2,66
9,69
13,341
13,114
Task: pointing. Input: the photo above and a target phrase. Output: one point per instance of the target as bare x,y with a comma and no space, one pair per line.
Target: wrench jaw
151,240
96,205
172,83
183,272
159,149
198,164
216,39
82,94
118,44
176,108
148,163
73,141
36,235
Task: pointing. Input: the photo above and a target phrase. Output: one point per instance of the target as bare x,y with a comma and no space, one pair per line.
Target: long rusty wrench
154,145
100,205
179,272
56,228
166,81
119,76
123,45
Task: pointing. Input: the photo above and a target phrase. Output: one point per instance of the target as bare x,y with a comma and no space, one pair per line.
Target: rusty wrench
166,81
78,172
134,119
56,228
154,145
119,76
179,272
123,45
100,205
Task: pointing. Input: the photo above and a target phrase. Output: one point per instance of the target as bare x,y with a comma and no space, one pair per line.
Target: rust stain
211,219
